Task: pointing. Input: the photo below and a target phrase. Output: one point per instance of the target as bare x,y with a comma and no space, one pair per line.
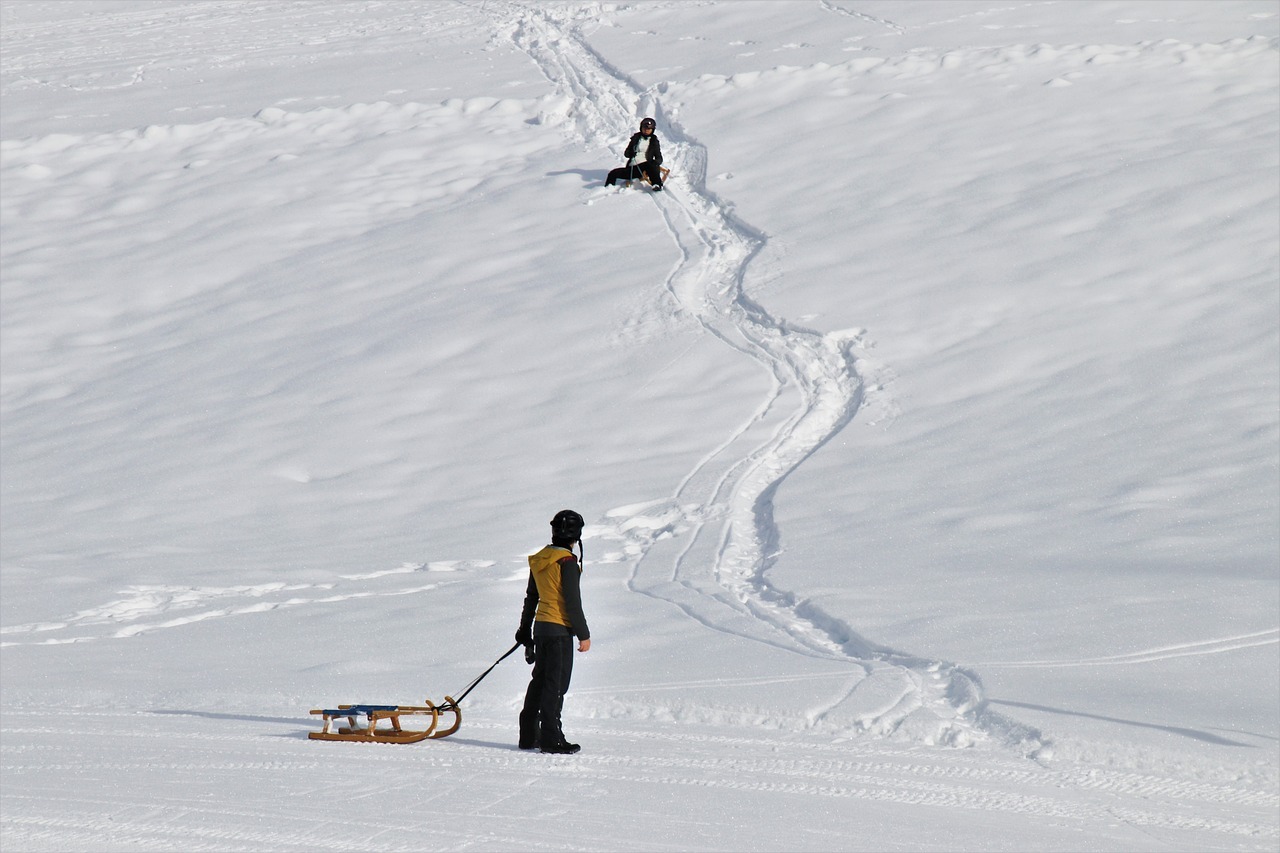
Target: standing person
644,154
551,618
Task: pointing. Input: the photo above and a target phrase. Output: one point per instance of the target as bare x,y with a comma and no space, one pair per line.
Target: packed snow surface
926,425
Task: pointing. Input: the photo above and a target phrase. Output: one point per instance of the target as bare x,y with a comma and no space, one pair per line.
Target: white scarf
642,150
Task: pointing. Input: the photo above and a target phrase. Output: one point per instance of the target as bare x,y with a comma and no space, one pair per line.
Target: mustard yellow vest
545,566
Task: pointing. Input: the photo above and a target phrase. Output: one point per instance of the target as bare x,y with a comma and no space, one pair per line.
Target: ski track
38,749
1204,647
709,547
897,29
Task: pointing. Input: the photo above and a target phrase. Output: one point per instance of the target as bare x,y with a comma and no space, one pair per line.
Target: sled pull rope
449,706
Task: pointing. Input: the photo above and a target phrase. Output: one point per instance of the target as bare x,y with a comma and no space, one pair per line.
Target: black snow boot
561,748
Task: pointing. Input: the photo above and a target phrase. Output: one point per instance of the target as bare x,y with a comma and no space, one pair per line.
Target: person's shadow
590,177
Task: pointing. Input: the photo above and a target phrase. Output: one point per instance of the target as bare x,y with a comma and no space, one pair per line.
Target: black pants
540,717
632,173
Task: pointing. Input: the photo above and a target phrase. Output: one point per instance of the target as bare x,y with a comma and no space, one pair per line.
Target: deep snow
927,426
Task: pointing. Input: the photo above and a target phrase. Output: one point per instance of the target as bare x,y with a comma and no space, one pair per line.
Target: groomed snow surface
927,426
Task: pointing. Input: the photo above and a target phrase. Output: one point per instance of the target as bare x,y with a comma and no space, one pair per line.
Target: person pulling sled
644,158
551,618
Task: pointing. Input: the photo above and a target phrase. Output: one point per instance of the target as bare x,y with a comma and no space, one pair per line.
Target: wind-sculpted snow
144,609
1062,61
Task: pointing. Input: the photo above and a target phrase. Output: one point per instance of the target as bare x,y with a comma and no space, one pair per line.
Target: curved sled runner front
369,732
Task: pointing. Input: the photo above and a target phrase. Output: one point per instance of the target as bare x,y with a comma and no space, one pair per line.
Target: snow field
926,426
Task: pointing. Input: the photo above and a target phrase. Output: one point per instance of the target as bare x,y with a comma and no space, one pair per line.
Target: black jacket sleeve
631,146
655,150
570,585
530,606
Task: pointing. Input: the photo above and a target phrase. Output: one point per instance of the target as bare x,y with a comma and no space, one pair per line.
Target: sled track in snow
708,548
1213,813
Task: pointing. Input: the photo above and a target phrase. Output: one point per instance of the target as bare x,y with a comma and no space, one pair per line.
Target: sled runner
366,730
374,714
644,177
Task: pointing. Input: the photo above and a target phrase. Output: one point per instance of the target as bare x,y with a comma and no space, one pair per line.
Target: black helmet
648,123
567,526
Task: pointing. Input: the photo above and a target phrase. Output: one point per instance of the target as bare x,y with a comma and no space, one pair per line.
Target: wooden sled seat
644,176
353,710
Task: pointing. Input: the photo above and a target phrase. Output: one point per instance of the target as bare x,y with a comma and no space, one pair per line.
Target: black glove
524,637
530,654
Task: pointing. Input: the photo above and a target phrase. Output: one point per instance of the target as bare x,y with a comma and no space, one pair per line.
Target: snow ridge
709,547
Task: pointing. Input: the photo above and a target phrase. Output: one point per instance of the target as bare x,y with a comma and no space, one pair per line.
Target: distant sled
644,178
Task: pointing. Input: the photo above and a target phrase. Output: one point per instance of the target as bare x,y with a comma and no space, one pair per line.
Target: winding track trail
708,548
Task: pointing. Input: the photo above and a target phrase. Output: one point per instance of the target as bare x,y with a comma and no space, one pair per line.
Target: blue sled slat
357,709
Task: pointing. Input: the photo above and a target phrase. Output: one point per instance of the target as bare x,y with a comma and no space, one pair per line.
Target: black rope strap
452,706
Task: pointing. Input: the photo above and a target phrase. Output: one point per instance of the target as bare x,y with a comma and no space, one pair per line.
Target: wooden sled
374,714
644,176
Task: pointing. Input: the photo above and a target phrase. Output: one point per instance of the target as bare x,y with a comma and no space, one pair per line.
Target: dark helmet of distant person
648,124
566,527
